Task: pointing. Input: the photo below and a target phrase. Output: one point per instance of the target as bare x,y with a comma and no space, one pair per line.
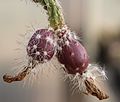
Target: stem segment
56,19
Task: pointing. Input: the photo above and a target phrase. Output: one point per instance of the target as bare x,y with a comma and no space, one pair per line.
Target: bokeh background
97,22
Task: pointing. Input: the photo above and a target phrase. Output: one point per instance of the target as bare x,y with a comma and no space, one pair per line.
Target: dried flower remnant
93,90
20,76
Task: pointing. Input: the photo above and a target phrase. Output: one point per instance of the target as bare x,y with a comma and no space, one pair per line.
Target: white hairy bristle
93,72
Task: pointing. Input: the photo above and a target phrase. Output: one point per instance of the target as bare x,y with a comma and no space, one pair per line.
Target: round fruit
73,55
41,45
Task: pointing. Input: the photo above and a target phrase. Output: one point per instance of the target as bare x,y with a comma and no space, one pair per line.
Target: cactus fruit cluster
60,42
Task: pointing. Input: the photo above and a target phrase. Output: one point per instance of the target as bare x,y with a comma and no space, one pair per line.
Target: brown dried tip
19,77
94,90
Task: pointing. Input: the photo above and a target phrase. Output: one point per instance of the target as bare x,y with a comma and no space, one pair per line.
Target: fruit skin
41,45
72,55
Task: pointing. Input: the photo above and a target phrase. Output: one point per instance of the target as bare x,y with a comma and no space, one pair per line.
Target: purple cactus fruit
41,46
73,56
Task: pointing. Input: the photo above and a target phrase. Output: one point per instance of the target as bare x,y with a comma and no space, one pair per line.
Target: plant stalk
55,16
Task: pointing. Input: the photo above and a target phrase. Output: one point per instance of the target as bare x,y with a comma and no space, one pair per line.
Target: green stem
55,19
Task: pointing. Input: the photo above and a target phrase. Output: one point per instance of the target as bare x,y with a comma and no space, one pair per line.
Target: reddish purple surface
73,56
38,45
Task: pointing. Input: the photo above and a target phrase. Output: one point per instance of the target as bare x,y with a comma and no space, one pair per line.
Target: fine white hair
93,72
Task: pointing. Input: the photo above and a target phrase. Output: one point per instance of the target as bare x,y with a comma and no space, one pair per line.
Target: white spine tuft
93,72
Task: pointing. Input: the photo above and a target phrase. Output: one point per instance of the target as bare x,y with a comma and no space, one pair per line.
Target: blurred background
97,22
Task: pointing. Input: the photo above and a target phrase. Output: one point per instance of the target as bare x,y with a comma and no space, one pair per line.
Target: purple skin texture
73,56
41,46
